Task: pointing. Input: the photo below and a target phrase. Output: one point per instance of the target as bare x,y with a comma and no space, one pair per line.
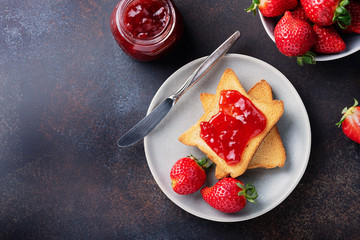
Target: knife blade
149,122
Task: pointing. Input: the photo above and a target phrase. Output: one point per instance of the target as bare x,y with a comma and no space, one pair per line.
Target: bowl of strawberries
311,30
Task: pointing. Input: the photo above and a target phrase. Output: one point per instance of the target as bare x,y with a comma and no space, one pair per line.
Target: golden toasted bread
271,152
272,110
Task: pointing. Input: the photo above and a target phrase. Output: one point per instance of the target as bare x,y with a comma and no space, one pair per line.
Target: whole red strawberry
295,37
328,40
188,175
229,195
354,10
272,8
350,122
327,12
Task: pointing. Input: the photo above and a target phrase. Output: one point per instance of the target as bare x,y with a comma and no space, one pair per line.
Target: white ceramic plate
352,41
163,149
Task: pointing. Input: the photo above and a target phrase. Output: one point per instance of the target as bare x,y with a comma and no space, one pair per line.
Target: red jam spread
228,132
146,29
146,18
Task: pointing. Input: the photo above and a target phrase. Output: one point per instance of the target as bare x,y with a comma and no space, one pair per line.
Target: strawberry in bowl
327,12
295,38
349,35
272,8
328,40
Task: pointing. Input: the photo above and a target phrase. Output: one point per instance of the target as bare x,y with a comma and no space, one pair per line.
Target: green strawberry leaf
342,15
248,191
253,7
307,58
203,162
300,61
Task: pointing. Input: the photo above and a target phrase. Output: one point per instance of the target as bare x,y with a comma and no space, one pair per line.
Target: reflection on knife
148,123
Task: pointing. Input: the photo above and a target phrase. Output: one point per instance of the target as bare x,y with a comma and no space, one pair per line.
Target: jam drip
228,132
146,18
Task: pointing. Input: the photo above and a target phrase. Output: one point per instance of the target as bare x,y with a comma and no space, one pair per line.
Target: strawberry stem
346,112
253,7
203,162
248,191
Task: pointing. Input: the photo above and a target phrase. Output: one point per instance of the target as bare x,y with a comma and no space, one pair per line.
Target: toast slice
271,152
272,110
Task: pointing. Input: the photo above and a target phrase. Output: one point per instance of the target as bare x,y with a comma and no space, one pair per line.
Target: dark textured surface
67,92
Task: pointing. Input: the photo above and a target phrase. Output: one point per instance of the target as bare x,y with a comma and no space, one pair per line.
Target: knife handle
206,66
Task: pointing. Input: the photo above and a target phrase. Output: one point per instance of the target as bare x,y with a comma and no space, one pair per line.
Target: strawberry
299,13
350,122
188,175
272,8
295,37
328,40
327,12
229,195
354,10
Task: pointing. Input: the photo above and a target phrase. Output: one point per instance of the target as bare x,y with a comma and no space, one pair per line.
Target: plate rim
291,188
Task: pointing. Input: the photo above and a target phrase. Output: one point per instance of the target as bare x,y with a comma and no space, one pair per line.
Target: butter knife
148,123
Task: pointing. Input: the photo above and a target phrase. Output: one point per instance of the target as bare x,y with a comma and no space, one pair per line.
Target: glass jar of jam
146,29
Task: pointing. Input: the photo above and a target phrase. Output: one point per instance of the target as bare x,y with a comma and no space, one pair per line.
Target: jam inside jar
146,29
227,133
